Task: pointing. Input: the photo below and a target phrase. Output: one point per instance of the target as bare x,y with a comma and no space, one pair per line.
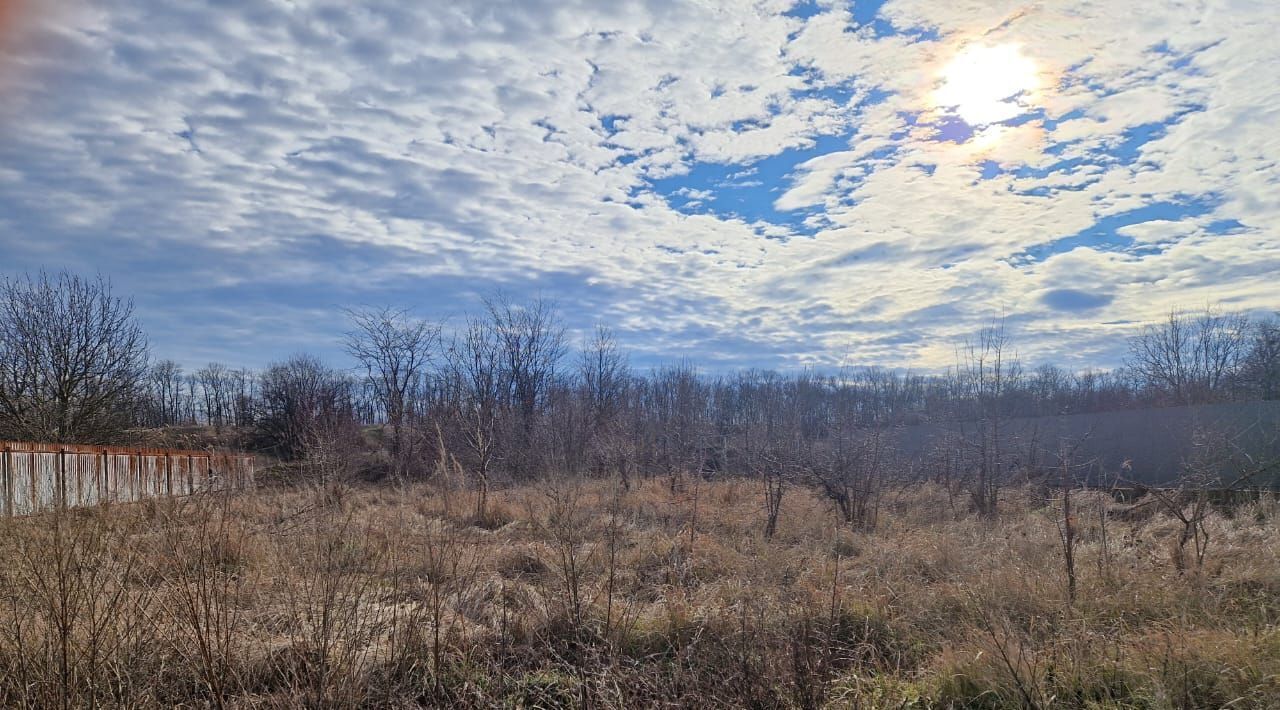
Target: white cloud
380,144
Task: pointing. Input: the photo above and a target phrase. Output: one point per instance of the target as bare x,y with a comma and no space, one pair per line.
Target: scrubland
664,593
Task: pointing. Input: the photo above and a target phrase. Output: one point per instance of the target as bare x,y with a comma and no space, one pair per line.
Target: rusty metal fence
37,477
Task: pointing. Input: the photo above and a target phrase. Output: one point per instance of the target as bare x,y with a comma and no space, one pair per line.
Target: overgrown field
667,594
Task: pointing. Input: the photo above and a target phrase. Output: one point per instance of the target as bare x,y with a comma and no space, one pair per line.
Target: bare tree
189,400
301,397
604,374
676,403
852,475
72,359
478,379
395,351
531,341
1068,524
217,386
1262,364
164,391
774,445
245,385
1194,358
986,373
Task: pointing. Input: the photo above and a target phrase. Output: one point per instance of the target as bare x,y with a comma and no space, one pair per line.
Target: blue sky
770,183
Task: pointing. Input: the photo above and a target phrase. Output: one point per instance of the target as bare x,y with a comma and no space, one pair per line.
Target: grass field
585,594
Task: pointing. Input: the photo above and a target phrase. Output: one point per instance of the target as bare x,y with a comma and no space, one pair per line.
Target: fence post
8,482
61,483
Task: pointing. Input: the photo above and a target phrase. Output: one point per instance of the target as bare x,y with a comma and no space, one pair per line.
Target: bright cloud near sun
988,84
768,183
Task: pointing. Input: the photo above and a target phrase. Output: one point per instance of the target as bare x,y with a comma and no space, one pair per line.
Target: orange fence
38,477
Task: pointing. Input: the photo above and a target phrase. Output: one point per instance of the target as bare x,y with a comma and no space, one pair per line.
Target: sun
988,84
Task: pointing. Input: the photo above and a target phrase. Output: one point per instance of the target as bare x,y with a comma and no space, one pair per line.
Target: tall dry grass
592,594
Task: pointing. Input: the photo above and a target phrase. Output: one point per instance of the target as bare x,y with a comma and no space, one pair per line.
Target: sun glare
8,13
988,84
9,16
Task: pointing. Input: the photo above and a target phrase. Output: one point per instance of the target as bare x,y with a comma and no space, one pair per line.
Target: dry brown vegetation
589,594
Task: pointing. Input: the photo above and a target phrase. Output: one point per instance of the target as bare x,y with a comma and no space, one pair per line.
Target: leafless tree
531,342
1262,364
189,413
984,376
72,359
165,393
300,397
217,387
478,379
775,447
852,474
395,350
675,403
1068,524
604,375
245,385
1192,357
604,372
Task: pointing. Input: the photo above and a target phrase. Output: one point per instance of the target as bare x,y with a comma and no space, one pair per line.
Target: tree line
509,393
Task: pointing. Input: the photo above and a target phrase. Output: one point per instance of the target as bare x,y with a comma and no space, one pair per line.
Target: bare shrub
332,626
854,475
206,572
76,624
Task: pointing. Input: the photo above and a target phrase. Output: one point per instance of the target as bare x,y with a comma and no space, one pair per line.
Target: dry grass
584,594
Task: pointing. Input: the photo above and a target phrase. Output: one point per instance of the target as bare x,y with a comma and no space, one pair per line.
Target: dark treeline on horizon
509,394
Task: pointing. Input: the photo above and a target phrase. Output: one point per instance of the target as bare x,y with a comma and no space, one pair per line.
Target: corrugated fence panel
20,491
44,480
185,472
79,475
179,476
36,477
119,478
152,479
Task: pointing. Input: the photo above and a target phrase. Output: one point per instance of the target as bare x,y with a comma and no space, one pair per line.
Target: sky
771,184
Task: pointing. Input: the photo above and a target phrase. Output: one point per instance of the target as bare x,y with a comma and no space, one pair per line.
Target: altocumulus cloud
762,183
